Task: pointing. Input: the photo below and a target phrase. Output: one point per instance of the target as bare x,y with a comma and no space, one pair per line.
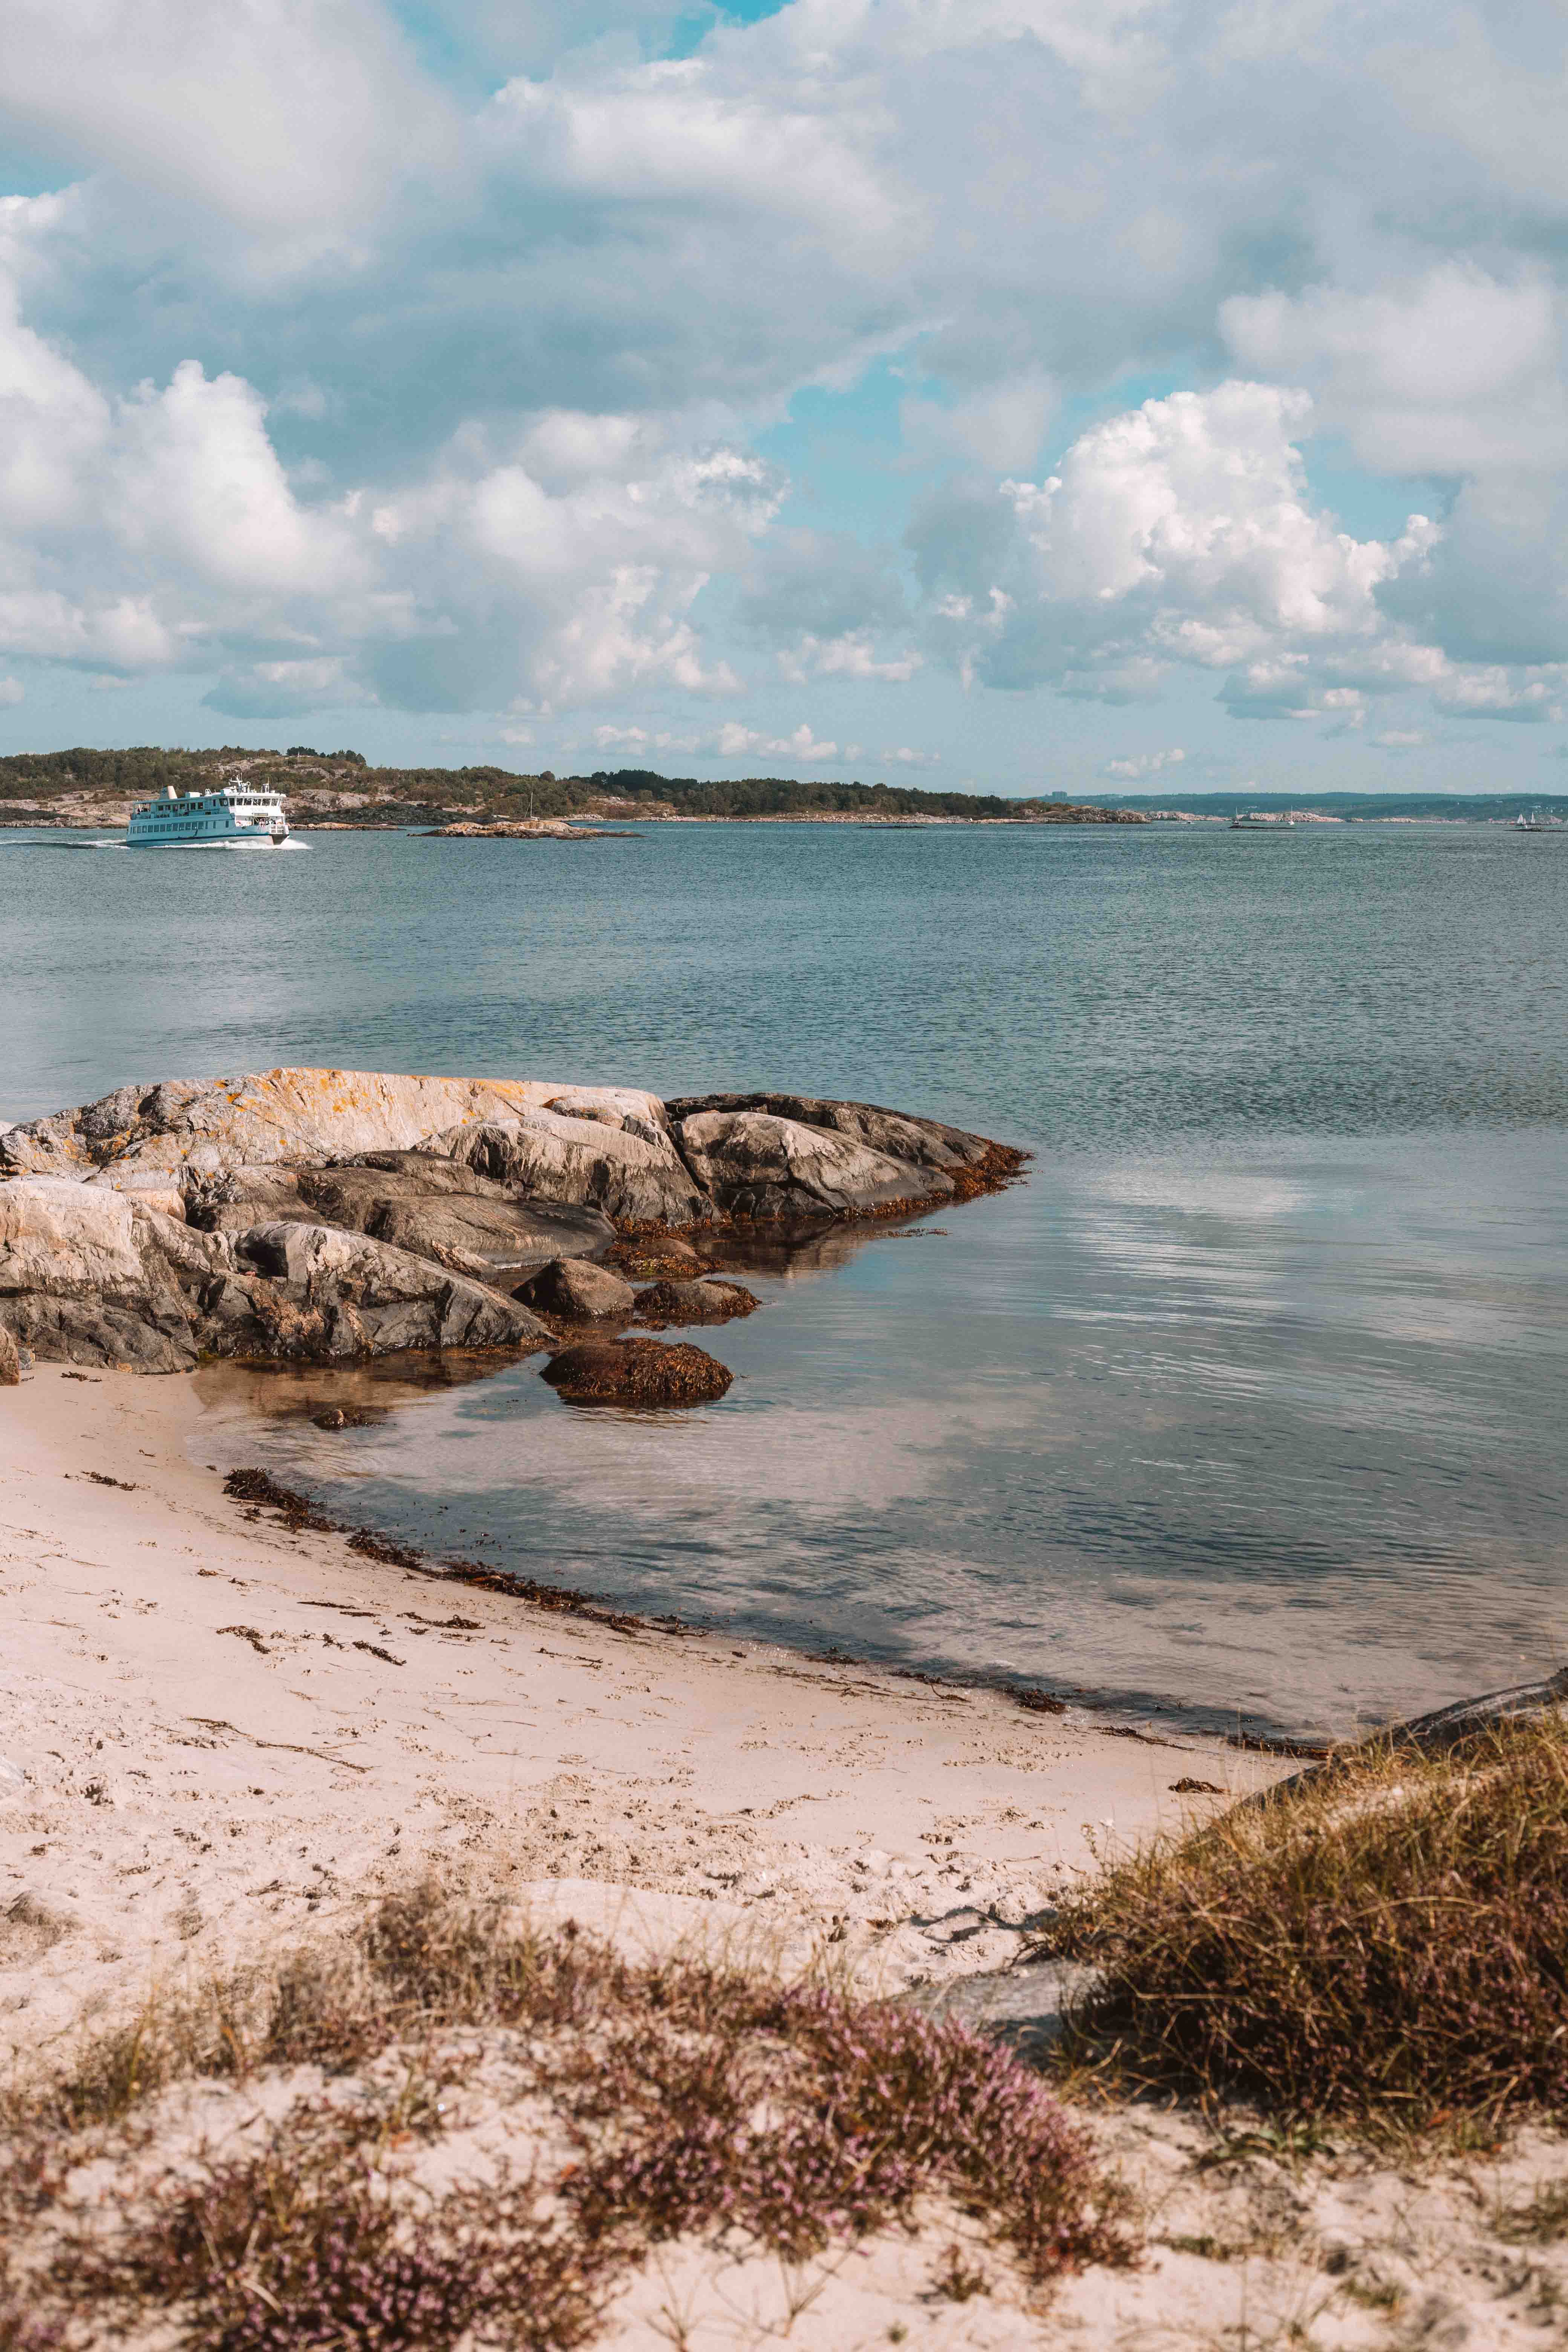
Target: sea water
1247,1403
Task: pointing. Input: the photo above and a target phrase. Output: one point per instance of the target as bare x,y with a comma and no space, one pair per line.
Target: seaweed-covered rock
713,1299
655,1257
573,1290
647,1372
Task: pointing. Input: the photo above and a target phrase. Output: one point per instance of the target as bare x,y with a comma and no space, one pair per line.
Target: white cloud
12,691
1401,739
197,484
284,115
1179,531
1453,372
328,375
272,689
1001,427
851,656
1143,763
734,742
904,757
1498,693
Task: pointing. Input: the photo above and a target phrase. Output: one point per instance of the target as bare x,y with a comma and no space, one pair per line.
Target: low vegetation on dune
446,2126
1384,1940
460,2128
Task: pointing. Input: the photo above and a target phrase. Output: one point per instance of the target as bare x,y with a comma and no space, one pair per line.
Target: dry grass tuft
1386,1937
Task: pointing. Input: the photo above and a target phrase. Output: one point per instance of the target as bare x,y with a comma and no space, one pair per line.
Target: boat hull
221,841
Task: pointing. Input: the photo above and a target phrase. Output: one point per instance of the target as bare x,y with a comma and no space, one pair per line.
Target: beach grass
1385,1939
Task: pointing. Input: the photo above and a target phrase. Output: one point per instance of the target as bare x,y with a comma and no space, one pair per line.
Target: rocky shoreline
333,1216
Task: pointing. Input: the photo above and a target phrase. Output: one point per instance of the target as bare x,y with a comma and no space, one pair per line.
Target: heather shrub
1387,1937
694,2099
804,2116
309,2243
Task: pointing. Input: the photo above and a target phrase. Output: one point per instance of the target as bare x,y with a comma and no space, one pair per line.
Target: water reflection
1263,1441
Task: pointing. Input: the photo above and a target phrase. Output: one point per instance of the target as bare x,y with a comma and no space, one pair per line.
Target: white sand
191,1789
208,1758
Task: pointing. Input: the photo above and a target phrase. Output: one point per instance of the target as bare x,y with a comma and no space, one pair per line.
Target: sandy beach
221,1738
227,1730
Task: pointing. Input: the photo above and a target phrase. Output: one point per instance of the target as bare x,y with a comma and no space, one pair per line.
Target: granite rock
437,1208
329,1213
924,1142
755,1164
88,1276
304,1116
358,1297
634,1178
572,1289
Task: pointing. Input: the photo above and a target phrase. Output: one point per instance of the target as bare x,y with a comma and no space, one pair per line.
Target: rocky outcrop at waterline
333,1215
577,1291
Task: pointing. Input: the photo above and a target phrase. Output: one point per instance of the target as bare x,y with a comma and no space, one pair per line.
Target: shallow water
1248,1400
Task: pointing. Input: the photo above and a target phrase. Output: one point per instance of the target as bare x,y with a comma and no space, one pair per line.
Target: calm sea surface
1248,1403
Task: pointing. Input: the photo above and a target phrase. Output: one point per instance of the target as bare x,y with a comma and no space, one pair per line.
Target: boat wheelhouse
237,816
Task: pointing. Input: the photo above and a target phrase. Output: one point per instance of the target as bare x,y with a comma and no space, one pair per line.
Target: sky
1012,395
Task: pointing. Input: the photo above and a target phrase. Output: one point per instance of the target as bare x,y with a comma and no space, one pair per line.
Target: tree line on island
344,784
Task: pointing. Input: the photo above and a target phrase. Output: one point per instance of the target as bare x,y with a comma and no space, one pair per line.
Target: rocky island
338,792
335,1215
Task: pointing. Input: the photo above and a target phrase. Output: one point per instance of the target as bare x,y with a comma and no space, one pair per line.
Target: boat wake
65,845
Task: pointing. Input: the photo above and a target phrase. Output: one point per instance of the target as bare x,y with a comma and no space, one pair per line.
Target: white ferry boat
1263,821
237,815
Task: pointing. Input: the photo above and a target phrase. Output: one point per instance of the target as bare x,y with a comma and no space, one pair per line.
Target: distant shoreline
1090,819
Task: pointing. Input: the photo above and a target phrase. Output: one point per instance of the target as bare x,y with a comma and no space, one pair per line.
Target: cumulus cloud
734,742
343,365
1497,693
286,116
12,691
560,559
1181,531
851,656
1143,763
1452,374
731,740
